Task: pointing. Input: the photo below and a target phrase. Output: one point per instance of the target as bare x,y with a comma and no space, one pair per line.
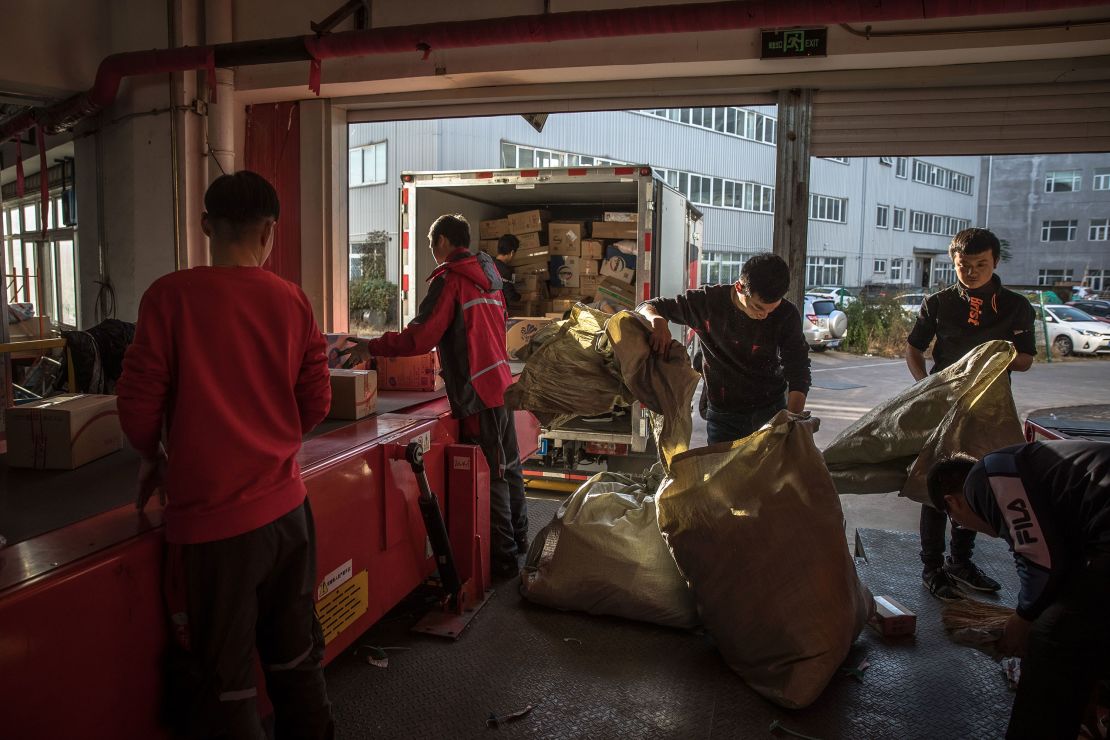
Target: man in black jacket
506,250
976,309
1050,501
754,356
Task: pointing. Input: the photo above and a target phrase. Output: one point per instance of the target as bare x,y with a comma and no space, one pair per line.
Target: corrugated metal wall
1058,117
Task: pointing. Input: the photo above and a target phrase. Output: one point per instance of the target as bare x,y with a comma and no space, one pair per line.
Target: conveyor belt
36,501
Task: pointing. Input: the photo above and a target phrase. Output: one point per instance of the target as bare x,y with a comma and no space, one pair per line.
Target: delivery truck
611,236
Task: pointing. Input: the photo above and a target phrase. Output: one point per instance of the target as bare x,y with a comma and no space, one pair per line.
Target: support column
795,113
324,247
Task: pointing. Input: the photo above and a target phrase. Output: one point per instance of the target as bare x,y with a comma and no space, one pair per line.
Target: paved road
848,386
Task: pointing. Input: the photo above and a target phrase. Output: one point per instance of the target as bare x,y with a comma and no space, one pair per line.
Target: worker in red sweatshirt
463,315
229,361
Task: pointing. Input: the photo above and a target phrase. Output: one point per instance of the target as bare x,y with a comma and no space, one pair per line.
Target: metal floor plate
596,677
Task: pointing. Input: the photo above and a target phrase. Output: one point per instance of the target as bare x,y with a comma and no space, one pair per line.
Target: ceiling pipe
578,25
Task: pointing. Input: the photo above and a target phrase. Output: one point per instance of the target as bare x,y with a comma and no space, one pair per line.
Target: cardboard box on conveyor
63,432
419,373
354,393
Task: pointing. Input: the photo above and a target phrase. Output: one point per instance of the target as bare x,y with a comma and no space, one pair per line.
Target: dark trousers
494,430
225,599
1069,650
933,526
728,426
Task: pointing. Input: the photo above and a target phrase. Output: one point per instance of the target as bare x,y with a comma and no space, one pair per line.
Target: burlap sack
603,553
967,407
756,527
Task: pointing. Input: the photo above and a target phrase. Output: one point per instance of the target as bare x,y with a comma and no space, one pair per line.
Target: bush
372,294
879,327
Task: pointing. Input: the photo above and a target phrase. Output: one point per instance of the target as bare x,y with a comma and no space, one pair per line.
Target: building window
882,216
1062,181
41,271
888,161
1058,231
1102,179
841,160
941,177
515,155
741,122
901,167
896,270
721,267
1100,230
825,208
721,193
367,165
880,267
1051,277
899,219
824,271
944,273
1097,279
937,224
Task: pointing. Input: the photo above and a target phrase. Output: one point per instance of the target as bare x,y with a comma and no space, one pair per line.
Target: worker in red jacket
463,315
228,359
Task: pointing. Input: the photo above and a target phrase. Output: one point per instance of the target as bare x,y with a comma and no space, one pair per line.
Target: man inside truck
754,357
506,250
1050,501
463,315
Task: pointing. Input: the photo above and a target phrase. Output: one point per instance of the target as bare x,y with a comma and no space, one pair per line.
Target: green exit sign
797,42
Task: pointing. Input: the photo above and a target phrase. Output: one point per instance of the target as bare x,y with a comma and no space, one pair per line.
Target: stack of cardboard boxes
563,261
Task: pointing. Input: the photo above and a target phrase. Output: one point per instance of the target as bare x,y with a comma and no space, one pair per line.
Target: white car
841,296
911,303
825,325
1071,330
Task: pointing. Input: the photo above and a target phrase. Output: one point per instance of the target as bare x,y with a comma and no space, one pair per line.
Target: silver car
824,325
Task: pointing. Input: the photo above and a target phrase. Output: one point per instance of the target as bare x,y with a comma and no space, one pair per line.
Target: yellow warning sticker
343,605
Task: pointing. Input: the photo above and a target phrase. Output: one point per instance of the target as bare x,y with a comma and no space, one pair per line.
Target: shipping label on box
519,332
419,373
527,222
612,230
354,393
565,238
493,228
62,433
615,268
592,249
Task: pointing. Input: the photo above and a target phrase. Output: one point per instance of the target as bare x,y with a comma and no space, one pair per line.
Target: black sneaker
940,585
969,575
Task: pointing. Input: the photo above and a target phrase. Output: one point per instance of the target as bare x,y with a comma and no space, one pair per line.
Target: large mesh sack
967,407
603,553
756,527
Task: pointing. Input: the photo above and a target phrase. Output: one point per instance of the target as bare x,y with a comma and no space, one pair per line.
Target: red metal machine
82,622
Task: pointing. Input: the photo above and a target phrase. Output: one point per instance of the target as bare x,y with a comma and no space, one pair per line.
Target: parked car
911,303
825,324
1097,308
841,296
1071,330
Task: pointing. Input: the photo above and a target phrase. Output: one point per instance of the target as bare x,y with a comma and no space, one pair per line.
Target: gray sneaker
940,585
969,575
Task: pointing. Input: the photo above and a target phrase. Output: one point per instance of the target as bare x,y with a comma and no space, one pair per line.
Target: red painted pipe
579,25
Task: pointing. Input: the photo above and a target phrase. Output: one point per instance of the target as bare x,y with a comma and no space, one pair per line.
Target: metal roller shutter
1020,119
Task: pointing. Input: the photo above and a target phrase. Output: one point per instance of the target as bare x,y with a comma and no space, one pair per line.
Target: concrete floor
1070,382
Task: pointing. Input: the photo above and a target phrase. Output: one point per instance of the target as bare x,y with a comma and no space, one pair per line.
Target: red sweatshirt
231,360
